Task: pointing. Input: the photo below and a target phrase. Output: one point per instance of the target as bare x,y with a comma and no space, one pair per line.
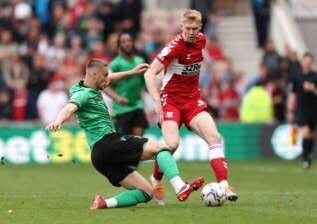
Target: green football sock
167,164
131,198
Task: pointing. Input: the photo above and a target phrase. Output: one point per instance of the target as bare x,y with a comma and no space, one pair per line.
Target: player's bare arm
113,95
139,69
291,105
150,81
63,115
150,75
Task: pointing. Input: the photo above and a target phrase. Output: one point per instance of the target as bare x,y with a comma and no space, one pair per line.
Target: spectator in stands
21,20
54,93
65,28
157,42
99,51
261,13
39,75
129,13
68,70
55,54
271,58
5,105
112,45
7,46
213,98
279,99
139,45
106,15
93,34
293,65
80,9
42,11
15,69
211,29
257,105
58,11
204,7
259,78
23,104
214,49
30,44
7,49
229,100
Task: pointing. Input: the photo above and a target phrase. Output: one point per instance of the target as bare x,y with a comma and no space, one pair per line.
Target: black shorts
116,156
306,119
124,123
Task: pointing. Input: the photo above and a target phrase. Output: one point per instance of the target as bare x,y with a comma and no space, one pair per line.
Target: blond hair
191,15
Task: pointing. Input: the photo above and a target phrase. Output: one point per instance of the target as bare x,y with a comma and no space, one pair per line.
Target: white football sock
177,183
154,181
111,202
224,184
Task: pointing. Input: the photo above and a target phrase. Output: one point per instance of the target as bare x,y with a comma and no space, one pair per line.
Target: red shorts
181,113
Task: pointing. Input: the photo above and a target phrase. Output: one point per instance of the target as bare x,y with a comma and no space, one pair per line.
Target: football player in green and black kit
127,105
114,155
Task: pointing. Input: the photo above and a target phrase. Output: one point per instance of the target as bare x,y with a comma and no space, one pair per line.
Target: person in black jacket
302,106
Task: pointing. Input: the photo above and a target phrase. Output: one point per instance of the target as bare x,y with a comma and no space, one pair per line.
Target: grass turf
270,192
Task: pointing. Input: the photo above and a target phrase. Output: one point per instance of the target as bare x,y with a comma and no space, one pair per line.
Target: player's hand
122,100
141,68
309,87
54,126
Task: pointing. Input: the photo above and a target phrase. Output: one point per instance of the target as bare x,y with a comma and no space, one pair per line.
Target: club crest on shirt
169,114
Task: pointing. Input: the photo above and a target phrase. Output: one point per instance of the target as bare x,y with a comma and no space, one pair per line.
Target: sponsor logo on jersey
169,114
191,69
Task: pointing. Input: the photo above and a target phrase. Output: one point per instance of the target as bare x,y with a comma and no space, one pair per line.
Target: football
213,194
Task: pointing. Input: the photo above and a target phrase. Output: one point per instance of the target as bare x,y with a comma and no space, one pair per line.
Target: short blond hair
191,15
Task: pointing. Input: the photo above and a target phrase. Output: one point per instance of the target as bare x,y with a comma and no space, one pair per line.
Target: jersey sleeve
79,98
167,54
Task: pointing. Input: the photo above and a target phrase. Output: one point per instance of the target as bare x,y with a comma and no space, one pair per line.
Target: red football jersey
182,61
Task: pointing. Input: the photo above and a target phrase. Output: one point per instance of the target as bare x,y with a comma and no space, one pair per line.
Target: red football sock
157,174
218,162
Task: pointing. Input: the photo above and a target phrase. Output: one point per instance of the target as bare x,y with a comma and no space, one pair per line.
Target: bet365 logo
191,69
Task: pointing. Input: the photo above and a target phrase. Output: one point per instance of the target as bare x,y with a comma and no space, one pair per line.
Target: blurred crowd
44,45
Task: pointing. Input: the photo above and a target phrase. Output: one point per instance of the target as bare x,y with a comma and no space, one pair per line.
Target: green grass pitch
270,192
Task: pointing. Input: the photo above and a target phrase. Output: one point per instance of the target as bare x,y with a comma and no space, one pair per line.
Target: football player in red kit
179,101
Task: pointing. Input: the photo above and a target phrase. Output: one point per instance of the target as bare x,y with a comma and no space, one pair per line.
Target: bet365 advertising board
32,144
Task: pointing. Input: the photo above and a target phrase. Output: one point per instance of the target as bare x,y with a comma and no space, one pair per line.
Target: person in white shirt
51,100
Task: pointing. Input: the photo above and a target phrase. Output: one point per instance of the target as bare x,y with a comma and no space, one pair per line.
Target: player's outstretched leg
140,192
124,199
167,165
